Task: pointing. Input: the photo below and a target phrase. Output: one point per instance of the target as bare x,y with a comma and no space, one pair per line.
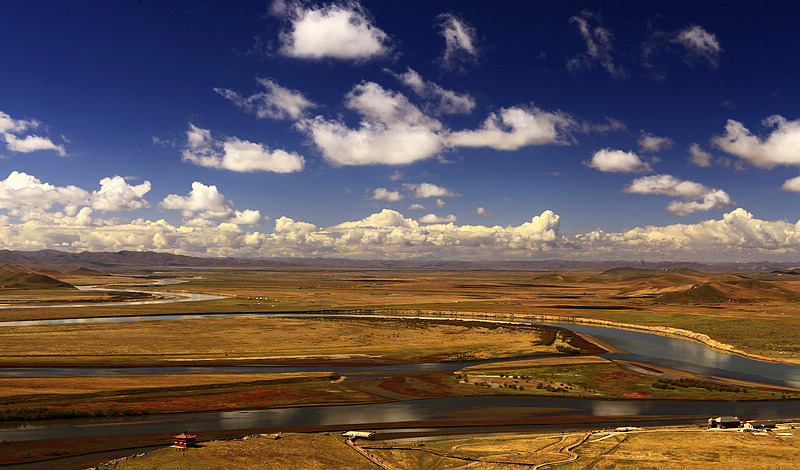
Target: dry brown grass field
595,377
725,307
174,342
34,398
306,451
689,450
684,449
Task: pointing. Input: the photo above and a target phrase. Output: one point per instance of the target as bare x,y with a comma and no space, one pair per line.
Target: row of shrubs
672,384
43,413
567,350
539,386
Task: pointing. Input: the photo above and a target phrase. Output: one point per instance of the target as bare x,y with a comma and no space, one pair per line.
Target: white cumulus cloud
688,191
699,157
276,102
692,44
617,161
460,41
435,219
383,194
393,131
516,127
736,236
599,50
11,128
426,190
27,197
699,44
781,147
15,126
651,143
792,185
442,101
236,155
206,202
332,31
117,195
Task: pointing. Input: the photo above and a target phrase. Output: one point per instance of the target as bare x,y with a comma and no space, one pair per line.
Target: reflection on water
670,352
359,416
690,356
180,296
616,408
63,321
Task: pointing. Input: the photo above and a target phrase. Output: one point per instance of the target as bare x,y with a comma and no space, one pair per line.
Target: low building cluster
728,422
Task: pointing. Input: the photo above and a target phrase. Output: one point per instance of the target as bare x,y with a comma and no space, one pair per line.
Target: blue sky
427,130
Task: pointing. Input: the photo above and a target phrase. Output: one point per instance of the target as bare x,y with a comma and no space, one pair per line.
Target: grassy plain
767,326
237,342
32,398
306,451
593,377
269,340
687,450
672,448
55,296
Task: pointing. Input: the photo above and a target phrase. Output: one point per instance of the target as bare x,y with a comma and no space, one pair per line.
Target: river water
661,350
360,416
672,352
179,296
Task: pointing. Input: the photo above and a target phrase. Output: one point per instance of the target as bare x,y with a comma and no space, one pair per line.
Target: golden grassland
26,398
228,339
78,385
300,451
309,340
595,377
518,293
660,449
676,448
767,327
690,450
235,341
55,296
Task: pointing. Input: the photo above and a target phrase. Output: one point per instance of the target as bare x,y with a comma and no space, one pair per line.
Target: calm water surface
672,352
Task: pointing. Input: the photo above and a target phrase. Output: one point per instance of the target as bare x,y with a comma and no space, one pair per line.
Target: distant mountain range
154,261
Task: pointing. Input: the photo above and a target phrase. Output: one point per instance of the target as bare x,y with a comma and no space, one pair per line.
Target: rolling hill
17,277
741,290
631,273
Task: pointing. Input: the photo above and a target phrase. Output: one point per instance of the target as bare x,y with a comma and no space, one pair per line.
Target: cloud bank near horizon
44,216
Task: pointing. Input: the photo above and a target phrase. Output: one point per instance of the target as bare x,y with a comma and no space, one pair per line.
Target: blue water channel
661,350
671,352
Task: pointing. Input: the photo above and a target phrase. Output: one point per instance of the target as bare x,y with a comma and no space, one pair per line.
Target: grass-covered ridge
16,277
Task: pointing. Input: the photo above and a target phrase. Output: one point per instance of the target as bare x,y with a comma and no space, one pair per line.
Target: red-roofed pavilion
185,440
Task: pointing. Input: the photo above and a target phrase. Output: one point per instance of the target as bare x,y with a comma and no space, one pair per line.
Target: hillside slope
743,290
17,277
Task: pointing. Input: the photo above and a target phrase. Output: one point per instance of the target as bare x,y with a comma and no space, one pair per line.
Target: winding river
666,351
179,296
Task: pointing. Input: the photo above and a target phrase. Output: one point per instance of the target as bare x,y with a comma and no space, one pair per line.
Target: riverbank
419,417
687,447
667,331
82,452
